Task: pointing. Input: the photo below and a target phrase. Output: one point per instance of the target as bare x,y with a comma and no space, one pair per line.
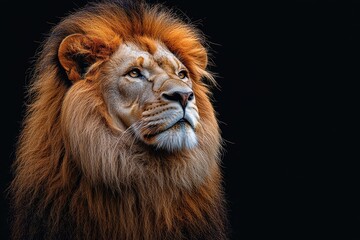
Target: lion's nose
182,97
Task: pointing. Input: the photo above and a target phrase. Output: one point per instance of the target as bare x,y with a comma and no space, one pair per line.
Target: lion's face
144,89
150,93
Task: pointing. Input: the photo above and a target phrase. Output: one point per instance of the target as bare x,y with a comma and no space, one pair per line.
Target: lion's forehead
158,55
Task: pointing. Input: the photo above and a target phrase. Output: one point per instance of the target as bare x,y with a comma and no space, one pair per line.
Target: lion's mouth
183,120
178,124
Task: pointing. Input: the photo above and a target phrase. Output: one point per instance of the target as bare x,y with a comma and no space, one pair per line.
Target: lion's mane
112,187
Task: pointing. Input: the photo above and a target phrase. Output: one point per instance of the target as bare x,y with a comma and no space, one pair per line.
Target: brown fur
109,188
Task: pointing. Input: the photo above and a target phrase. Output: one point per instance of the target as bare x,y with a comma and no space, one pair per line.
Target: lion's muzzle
171,124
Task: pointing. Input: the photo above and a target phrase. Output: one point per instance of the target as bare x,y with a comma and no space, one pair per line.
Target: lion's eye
135,73
182,74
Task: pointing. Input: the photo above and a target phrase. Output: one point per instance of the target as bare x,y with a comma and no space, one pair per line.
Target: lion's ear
77,52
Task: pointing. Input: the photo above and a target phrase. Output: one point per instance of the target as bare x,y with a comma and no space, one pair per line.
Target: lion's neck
119,159
103,188
147,210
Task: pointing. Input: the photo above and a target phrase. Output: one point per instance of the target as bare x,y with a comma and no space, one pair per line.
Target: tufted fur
77,176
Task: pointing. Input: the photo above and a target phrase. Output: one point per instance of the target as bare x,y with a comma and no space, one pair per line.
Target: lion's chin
180,136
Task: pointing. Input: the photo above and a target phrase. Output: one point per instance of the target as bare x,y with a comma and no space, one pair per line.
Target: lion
120,139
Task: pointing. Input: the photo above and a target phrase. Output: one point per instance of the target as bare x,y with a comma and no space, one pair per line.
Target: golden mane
111,187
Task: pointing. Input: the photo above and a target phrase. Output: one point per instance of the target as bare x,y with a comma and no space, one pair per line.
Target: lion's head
120,125
136,84
144,88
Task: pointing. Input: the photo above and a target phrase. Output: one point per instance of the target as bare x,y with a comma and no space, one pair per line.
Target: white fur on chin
183,137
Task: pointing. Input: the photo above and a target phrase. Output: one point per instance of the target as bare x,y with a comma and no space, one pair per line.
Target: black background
286,105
